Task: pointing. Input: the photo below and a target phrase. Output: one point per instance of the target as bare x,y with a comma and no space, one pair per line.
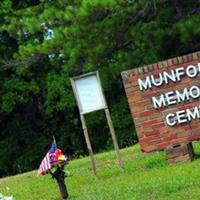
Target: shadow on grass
71,197
196,156
196,150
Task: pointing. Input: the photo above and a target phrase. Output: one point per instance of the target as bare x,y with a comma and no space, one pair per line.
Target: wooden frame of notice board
90,98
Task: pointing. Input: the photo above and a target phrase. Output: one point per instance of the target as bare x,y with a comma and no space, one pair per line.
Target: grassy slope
143,177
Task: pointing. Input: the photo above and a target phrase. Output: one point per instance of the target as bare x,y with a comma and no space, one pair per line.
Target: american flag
49,160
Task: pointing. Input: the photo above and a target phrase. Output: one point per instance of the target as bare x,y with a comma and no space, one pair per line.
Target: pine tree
44,43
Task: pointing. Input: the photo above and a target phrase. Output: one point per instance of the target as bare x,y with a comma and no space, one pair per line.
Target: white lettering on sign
183,116
159,102
144,84
174,97
165,77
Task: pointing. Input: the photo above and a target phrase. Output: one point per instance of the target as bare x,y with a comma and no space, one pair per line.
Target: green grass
145,176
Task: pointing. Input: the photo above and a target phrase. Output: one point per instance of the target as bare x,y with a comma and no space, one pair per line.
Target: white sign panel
89,93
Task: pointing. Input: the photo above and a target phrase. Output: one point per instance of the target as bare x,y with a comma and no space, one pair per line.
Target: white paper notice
89,93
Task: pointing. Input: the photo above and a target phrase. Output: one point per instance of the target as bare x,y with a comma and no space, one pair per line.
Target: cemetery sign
164,99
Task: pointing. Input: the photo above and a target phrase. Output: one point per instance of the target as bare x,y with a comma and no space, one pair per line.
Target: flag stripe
45,165
49,159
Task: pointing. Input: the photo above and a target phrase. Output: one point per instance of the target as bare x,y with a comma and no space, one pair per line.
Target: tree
43,43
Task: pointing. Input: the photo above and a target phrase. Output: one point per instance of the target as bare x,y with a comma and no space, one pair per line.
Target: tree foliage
45,42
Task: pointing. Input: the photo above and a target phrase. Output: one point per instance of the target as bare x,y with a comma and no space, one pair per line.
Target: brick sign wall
164,99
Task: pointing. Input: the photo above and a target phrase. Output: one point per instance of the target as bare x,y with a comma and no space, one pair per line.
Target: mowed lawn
145,176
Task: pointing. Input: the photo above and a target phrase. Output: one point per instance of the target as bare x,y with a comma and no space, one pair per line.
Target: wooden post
62,187
112,132
87,139
59,175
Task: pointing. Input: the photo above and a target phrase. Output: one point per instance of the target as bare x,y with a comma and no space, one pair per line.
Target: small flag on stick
49,160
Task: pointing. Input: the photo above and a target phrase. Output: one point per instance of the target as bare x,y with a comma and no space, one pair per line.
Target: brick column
179,153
